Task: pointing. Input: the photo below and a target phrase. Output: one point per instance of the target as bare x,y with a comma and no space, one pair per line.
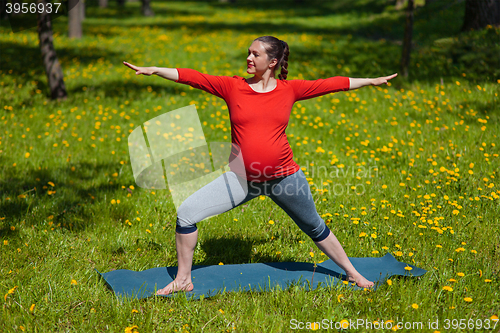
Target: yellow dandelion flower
460,274
221,263
362,234
221,311
135,311
271,222
311,254
344,324
389,282
314,326
414,305
32,307
494,317
408,268
447,288
468,299
339,297
73,282
11,291
132,329
27,155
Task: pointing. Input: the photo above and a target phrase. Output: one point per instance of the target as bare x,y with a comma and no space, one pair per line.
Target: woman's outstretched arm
359,83
166,73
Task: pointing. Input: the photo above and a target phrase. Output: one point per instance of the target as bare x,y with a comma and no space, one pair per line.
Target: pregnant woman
259,109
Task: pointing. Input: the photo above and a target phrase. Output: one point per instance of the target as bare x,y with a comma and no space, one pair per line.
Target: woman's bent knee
185,224
322,236
185,230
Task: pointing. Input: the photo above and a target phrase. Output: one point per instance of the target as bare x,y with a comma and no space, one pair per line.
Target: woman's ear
273,63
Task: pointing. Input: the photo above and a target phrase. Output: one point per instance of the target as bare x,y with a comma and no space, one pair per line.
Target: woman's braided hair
278,49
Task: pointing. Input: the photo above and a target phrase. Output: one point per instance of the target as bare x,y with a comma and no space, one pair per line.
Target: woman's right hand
140,70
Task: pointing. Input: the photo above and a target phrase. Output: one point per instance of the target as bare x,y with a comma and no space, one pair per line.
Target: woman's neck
263,83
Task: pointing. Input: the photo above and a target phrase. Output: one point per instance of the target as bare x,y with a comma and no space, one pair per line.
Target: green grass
425,155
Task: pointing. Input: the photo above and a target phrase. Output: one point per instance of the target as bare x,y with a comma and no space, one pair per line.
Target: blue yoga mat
212,280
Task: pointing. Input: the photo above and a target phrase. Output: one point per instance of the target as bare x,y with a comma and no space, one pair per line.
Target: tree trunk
146,8
3,10
82,10
53,69
103,3
405,59
480,13
121,3
74,19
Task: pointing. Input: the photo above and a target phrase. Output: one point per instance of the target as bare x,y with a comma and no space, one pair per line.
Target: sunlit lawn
410,169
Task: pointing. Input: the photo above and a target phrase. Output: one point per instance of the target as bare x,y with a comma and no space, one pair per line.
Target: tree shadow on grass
69,201
293,8
310,8
374,29
133,10
16,57
483,108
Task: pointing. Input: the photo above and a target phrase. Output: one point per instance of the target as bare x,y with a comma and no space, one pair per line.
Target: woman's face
257,61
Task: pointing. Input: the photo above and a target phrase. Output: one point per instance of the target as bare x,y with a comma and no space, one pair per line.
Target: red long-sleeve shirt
259,120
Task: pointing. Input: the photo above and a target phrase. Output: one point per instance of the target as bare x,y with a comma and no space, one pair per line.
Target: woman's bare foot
359,280
174,286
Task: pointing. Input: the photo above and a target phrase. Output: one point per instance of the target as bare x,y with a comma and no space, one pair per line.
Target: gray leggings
228,191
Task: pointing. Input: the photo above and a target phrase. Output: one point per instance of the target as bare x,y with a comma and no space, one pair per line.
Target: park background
421,153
